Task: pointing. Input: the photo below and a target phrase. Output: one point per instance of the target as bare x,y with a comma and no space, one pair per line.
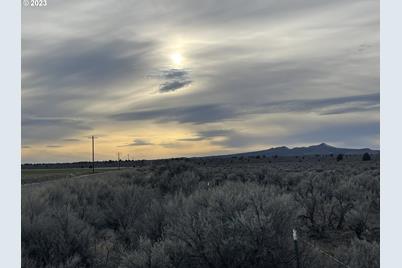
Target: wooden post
93,154
296,248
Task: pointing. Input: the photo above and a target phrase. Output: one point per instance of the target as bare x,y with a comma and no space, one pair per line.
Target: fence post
296,248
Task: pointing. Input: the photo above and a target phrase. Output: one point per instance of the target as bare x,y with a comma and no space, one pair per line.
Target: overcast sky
164,78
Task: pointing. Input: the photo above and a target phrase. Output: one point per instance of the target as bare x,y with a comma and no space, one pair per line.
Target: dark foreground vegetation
216,213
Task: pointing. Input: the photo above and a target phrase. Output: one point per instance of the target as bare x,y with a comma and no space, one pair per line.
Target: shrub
360,254
366,157
146,255
125,212
325,199
235,225
57,237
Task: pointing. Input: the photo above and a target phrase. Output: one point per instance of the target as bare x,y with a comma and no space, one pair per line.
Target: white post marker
296,248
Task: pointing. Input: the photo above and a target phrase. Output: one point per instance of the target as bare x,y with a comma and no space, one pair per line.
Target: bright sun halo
176,58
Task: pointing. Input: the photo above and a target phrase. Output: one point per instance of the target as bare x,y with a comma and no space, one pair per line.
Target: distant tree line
199,160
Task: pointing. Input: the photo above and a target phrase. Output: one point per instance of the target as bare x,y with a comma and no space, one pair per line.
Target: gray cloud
231,138
190,114
215,133
173,145
138,142
192,139
43,122
175,74
217,113
51,129
54,146
325,106
208,134
345,110
173,85
81,62
174,79
66,77
71,140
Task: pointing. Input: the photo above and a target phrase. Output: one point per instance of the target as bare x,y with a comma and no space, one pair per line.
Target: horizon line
205,156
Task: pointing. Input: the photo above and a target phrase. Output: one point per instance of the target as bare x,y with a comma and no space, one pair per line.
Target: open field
236,212
42,175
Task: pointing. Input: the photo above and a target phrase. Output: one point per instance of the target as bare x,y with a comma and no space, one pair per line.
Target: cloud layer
252,75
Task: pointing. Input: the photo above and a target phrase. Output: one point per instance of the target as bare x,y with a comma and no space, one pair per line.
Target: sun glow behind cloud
177,59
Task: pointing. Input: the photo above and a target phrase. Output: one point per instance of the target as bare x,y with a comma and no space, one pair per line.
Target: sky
163,78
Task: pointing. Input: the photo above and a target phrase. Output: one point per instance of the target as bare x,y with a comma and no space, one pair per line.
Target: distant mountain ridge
320,149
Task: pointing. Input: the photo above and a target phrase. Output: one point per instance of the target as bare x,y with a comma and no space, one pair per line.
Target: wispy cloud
187,114
51,129
54,146
192,139
71,140
79,63
138,142
216,112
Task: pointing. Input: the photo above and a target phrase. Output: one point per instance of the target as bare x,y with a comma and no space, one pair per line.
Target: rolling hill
320,149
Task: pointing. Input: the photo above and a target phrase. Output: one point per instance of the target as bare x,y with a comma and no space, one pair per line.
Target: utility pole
128,157
296,248
93,154
118,159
